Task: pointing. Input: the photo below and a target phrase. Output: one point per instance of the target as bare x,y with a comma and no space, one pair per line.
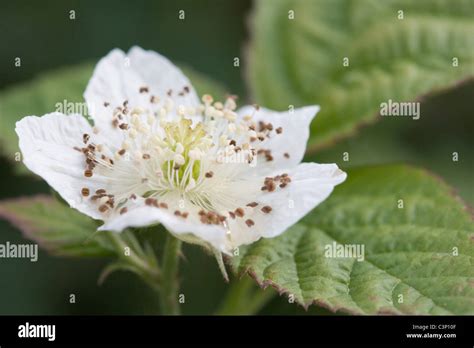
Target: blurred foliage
350,56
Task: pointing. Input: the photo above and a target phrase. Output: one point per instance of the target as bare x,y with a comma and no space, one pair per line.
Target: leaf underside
54,226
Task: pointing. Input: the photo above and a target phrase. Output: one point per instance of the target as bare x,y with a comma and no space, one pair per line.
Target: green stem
170,265
243,298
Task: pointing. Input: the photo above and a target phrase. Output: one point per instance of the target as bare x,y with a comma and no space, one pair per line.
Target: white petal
292,140
310,185
47,146
142,215
118,77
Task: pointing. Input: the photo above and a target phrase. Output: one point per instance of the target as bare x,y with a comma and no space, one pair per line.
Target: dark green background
213,33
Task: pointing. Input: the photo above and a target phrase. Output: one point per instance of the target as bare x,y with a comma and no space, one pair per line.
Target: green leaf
55,227
417,259
40,96
300,61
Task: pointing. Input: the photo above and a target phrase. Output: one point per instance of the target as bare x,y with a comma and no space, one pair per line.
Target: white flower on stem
158,154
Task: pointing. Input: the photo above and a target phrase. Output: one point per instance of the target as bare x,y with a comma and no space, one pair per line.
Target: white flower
156,154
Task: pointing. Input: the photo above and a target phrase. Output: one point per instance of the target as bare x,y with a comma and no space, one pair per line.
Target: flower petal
141,215
311,184
47,144
288,147
135,77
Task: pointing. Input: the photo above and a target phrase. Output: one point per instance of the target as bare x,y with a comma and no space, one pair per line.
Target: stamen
85,138
103,208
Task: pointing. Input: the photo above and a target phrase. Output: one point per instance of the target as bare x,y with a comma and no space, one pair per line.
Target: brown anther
266,209
163,205
125,103
239,212
153,99
286,155
123,126
177,213
186,89
146,156
106,104
169,93
88,173
271,186
252,204
231,214
202,212
232,142
115,122
249,222
123,210
133,196
122,152
209,174
184,215
149,201
91,148
103,208
279,130
283,185
143,89
85,192
100,191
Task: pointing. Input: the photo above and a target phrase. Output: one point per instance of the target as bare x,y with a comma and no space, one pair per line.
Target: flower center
182,148
202,159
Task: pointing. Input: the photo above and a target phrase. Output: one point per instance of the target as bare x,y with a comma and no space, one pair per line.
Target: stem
243,298
169,285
